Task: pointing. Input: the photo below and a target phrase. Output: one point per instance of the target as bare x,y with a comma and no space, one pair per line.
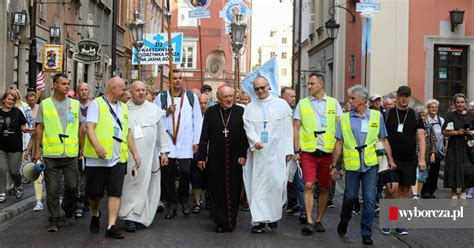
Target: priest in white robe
141,188
268,126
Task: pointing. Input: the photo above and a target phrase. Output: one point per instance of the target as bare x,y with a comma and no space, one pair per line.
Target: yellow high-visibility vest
53,144
104,133
308,140
350,154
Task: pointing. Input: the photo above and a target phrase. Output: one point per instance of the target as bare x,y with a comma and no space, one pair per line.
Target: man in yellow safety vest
59,130
357,133
106,144
315,119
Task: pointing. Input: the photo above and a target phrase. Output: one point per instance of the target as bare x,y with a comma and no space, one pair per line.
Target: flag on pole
40,81
269,70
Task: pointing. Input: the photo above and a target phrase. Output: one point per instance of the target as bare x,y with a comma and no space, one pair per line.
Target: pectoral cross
225,132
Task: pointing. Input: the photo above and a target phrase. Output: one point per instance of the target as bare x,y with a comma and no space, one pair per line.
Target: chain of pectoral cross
225,123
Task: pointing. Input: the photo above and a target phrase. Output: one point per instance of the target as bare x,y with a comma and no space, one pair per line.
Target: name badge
264,137
364,127
400,128
324,121
116,132
70,116
137,132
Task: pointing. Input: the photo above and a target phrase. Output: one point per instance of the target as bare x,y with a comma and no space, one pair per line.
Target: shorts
99,179
421,176
405,173
316,169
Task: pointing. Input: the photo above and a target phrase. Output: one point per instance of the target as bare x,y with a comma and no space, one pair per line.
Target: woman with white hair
435,122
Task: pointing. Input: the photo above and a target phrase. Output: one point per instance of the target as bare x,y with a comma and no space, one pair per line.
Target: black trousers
431,183
168,180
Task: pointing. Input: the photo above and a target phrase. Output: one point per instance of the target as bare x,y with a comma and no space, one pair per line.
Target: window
283,40
283,71
189,56
42,9
283,55
272,54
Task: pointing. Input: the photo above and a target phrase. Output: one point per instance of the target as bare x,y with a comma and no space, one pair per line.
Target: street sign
200,8
155,49
361,6
87,52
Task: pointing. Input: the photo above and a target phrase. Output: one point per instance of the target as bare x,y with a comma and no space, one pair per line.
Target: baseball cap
404,90
374,97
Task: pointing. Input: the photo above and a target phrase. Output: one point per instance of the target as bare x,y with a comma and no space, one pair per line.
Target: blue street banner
155,49
269,70
367,9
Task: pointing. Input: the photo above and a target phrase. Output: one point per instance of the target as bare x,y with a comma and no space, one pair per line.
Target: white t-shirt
93,116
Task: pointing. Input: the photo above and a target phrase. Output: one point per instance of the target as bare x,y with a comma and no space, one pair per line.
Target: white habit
265,172
141,194
190,124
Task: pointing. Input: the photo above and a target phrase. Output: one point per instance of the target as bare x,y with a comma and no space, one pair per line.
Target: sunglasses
256,89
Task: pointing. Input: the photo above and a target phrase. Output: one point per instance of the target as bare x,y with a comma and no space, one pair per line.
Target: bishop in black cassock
222,150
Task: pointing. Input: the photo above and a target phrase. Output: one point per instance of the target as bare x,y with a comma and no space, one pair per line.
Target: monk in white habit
141,188
268,125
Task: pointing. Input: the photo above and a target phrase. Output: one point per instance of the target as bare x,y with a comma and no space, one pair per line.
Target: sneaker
186,209
341,229
161,207
258,229
114,233
95,223
415,197
401,231
469,196
3,197
463,196
272,227
130,226
318,227
38,207
367,240
79,213
386,231
53,226
303,219
18,191
292,210
330,204
308,229
354,212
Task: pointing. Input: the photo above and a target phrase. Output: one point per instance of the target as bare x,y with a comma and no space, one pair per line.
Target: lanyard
113,113
404,119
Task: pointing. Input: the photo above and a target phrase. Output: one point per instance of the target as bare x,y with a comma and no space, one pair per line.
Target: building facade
278,44
216,59
414,43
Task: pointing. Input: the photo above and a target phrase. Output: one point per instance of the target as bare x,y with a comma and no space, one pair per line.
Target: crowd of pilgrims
267,155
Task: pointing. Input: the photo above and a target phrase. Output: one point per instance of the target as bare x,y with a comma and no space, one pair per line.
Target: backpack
164,99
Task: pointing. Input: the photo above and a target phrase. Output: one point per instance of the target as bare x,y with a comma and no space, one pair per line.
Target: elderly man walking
357,133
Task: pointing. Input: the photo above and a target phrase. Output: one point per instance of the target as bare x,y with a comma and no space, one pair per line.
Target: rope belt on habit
62,136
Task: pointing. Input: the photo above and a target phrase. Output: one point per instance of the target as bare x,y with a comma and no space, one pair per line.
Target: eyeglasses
263,88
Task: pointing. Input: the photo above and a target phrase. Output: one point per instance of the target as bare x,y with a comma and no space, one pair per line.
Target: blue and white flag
269,70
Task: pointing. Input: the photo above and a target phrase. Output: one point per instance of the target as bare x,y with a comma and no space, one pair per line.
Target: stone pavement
29,230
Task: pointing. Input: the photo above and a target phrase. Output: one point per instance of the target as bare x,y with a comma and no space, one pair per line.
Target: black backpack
164,99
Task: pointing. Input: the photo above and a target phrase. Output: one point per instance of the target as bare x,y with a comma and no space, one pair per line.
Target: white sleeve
197,121
338,110
93,112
